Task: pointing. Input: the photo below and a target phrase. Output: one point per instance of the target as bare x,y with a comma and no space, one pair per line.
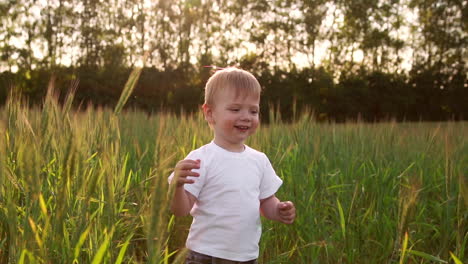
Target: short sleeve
195,187
270,182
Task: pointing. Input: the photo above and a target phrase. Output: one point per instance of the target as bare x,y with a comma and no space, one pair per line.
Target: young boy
225,185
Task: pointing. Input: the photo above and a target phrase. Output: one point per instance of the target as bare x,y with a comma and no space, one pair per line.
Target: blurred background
356,59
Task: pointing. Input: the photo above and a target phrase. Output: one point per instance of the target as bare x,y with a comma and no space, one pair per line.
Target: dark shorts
198,258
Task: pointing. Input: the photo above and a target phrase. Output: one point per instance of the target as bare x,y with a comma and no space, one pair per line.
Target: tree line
372,59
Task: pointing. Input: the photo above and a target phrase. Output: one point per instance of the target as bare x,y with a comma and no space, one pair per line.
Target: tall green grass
90,186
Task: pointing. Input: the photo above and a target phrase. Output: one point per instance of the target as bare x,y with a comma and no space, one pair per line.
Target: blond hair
240,81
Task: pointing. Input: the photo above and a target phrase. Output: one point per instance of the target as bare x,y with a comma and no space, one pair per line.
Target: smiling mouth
242,127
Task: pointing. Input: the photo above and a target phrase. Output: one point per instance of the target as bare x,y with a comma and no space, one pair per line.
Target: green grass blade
80,242
455,259
404,248
128,89
426,256
103,248
122,250
30,256
342,219
22,256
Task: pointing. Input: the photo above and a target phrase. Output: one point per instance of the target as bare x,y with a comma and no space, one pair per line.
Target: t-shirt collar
225,151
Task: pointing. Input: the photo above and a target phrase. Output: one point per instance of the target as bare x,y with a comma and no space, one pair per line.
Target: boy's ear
208,112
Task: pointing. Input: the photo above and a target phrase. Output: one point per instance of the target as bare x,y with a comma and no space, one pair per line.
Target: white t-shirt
226,216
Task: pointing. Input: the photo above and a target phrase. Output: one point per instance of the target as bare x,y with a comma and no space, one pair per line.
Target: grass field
90,186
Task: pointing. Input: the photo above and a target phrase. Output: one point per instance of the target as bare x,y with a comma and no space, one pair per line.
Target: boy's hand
286,212
183,169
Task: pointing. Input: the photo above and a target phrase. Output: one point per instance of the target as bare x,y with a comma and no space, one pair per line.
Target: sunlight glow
358,56
334,19
38,49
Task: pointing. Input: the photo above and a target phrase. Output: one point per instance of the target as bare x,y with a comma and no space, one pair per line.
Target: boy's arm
182,201
273,209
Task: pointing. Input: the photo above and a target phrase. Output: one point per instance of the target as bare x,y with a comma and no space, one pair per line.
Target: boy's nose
245,116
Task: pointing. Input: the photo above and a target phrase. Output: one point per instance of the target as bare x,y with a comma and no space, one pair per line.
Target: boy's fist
286,212
183,169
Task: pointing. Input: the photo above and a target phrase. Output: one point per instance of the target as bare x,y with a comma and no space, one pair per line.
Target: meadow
90,186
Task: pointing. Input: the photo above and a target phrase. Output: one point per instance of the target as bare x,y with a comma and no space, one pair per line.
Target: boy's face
233,118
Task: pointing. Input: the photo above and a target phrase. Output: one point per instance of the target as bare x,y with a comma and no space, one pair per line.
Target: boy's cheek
255,129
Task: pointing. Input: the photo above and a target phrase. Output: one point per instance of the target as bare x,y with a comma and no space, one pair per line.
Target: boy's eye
234,110
254,112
